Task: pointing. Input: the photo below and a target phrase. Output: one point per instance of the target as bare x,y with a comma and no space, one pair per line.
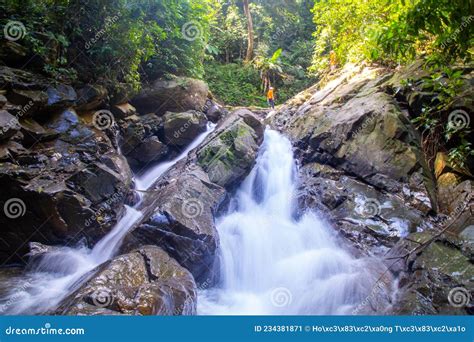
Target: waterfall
273,262
58,272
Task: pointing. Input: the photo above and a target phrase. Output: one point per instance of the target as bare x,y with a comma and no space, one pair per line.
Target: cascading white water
49,281
274,263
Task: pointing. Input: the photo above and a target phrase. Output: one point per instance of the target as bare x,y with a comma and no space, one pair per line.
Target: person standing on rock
271,98
332,60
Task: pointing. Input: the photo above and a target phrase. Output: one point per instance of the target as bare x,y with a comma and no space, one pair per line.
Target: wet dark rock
121,111
178,95
3,100
139,140
182,222
430,278
61,96
69,185
33,132
230,154
147,281
11,149
180,129
13,54
8,125
33,101
214,111
91,97
11,78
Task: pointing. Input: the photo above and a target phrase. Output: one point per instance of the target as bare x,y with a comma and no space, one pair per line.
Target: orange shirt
270,94
332,58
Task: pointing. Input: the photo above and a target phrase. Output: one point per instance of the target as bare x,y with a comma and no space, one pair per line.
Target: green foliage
439,130
283,45
238,84
441,30
391,32
235,84
110,41
269,68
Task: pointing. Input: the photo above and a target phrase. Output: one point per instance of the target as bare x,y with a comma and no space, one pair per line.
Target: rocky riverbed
70,157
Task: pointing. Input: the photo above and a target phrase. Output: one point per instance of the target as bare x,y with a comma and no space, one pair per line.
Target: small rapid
58,272
273,262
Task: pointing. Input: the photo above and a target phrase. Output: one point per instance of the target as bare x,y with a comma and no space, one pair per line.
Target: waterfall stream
273,262
58,272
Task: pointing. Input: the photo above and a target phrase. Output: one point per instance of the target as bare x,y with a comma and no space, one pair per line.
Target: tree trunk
249,54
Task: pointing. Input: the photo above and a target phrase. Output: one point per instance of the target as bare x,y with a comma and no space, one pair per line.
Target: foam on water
274,263
58,272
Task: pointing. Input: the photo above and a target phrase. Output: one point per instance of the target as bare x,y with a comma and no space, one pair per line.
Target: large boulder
231,152
30,94
70,186
436,278
371,220
146,281
214,111
123,110
180,208
352,125
177,95
362,165
139,140
11,78
182,221
180,129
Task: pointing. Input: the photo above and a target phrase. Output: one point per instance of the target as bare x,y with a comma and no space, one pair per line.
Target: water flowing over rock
177,193
362,165
275,263
187,199
183,223
70,186
146,281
